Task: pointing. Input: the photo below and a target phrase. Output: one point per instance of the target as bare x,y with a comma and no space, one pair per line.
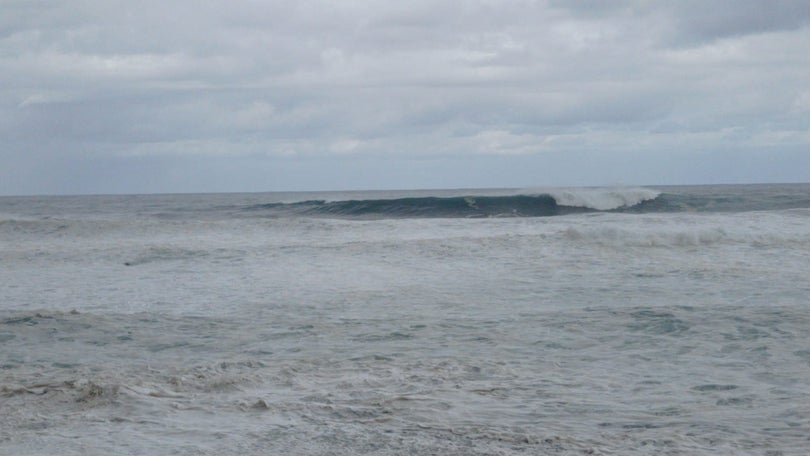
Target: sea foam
603,199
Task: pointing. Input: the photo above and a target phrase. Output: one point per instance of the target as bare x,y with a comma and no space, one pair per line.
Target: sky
109,96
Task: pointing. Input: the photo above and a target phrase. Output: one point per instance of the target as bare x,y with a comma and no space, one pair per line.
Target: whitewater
602,321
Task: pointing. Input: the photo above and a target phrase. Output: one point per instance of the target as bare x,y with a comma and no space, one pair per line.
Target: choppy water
623,321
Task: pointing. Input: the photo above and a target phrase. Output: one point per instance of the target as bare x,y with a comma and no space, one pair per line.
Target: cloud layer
113,96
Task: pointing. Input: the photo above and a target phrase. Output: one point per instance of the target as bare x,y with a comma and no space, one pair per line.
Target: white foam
602,199
668,237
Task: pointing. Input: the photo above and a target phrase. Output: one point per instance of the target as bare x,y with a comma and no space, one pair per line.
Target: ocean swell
529,204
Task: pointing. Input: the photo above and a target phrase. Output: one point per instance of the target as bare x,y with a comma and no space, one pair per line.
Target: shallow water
180,324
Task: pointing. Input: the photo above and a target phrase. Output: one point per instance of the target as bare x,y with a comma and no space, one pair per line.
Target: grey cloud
694,22
296,85
699,20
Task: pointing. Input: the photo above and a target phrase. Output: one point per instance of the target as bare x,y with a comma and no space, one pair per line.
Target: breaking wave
560,202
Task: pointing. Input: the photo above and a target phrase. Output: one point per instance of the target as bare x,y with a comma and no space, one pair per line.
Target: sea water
672,320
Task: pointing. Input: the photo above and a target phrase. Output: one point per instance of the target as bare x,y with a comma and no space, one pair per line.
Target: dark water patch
166,346
641,425
373,358
97,343
479,339
392,336
714,387
669,411
306,328
735,402
26,320
5,337
730,348
751,333
552,345
803,354
655,322
659,444
94,392
247,364
648,275
36,426
160,254
42,317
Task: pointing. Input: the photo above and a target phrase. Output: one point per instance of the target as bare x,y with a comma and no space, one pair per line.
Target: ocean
602,321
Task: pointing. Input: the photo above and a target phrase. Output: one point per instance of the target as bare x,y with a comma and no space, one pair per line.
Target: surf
472,205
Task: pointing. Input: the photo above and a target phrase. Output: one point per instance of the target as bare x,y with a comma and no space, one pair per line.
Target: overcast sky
107,96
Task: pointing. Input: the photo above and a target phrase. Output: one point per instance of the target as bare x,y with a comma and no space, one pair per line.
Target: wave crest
523,204
603,199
